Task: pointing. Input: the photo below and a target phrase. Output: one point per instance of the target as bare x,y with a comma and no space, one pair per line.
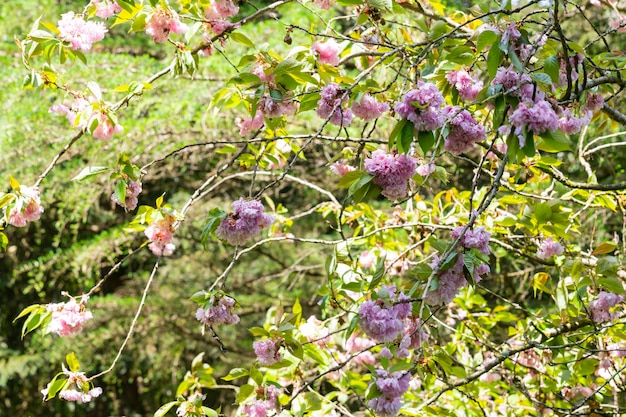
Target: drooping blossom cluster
368,108
327,52
537,117
467,86
314,331
330,105
217,12
383,320
477,238
250,124
600,307
25,208
570,124
161,235
274,108
577,392
76,390
341,168
548,248
465,131
162,22
106,127
594,102
414,335
68,318
392,386
517,85
106,8
367,259
266,401
80,33
81,115
133,189
422,107
218,311
450,281
246,221
267,351
391,172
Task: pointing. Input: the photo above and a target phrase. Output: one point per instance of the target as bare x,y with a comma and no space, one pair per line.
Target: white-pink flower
368,108
467,86
548,248
68,318
80,33
161,235
25,208
106,8
218,311
267,352
106,127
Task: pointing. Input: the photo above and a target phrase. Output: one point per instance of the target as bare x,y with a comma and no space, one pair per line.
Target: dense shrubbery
331,208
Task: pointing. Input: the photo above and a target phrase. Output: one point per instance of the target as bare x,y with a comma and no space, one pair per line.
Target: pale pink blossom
67,319
391,172
577,392
594,102
80,33
548,248
218,311
133,189
518,85
368,108
473,238
322,4
392,386
246,221
106,8
26,207
465,131
161,234
341,168
332,97
425,169
384,320
422,107
266,402
467,86
328,52
360,345
221,10
220,26
106,127
163,22
250,124
601,306
267,351
367,259
538,117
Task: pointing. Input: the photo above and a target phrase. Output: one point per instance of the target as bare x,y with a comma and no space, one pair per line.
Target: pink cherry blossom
332,97
267,352
106,8
391,172
80,33
162,23
161,235
422,107
250,124
602,304
538,117
467,86
133,189
106,127
392,386
341,168
594,102
356,344
328,52
368,108
68,318
26,207
465,131
266,402
245,222
221,10
426,169
322,4
384,320
516,84
473,238
367,259
548,249
218,312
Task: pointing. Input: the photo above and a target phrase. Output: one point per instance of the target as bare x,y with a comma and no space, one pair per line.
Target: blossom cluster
465,131
450,281
327,52
133,189
217,12
267,351
330,105
473,238
218,311
383,319
161,235
106,8
368,108
79,33
392,386
81,115
77,388
266,401
467,86
602,304
67,319
192,406
162,22
391,172
246,221
360,346
422,107
26,207
548,248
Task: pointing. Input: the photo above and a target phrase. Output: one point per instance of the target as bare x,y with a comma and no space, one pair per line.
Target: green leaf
349,178
406,138
72,362
426,140
6,199
607,266
165,408
554,141
235,373
244,392
612,284
486,38
604,248
89,172
242,39
543,212
15,186
529,145
120,191
55,386
396,132
4,241
541,77
209,412
27,310
384,5
494,58
551,67
378,275
214,219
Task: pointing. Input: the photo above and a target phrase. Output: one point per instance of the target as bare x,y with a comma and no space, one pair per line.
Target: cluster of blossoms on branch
601,306
548,248
26,207
391,172
218,311
422,107
327,52
162,22
84,113
161,235
77,389
79,33
392,386
265,403
246,221
106,8
267,351
133,189
67,318
217,12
